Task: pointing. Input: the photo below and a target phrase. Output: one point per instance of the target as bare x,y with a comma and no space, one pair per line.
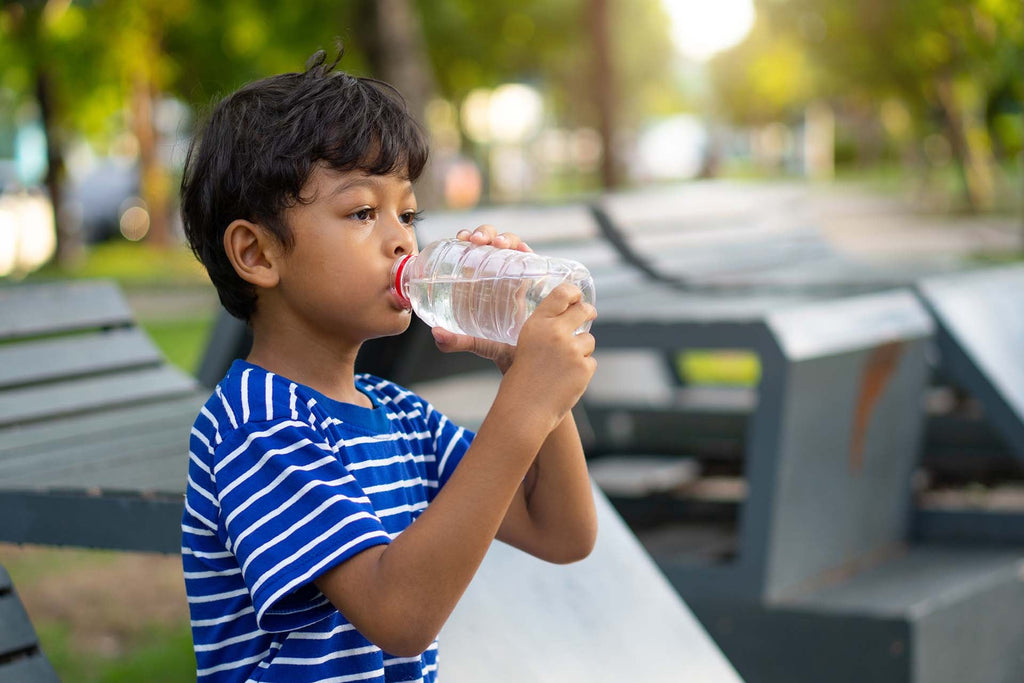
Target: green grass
182,341
104,616
719,367
158,654
132,264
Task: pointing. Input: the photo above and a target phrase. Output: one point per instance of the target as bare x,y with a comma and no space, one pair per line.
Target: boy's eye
411,217
363,214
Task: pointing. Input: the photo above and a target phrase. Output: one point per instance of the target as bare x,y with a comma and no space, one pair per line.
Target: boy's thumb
444,339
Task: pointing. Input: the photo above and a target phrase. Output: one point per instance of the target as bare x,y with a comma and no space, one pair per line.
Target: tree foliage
953,65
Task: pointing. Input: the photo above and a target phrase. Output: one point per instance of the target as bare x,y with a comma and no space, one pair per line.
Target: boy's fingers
566,302
488,234
449,342
559,300
483,234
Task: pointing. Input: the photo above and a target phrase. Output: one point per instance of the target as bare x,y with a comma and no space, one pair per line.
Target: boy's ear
253,252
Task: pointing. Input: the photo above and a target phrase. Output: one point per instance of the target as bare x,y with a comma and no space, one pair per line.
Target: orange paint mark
881,365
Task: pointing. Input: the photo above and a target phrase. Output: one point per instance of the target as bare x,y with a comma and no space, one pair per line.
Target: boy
301,558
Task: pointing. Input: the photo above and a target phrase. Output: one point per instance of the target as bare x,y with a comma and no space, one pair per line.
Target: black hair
260,145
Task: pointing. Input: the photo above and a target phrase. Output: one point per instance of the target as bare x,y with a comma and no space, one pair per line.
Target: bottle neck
399,279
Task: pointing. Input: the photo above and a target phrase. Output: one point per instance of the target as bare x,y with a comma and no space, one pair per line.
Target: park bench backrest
689,232
93,422
980,338
21,660
68,348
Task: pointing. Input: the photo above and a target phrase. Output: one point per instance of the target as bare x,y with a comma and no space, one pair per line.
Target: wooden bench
94,422
21,660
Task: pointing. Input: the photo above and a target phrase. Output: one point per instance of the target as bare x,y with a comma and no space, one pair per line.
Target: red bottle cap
396,283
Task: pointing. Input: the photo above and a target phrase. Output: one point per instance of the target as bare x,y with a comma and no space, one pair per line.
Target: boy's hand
488,234
449,342
553,364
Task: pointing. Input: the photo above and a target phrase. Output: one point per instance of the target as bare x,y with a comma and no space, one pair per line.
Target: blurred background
916,104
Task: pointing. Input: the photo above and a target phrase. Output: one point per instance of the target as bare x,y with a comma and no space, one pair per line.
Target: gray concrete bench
93,422
609,618
742,237
21,660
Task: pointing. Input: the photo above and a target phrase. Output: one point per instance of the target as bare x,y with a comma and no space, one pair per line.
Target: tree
25,29
938,57
605,64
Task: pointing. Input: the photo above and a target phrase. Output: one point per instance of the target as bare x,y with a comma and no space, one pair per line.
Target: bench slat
32,669
16,632
30,404
32,310
41,437
58,358
100,464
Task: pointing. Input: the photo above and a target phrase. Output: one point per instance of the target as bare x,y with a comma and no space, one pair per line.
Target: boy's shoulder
250,394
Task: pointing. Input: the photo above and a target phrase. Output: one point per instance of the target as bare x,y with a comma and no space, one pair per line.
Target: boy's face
335,279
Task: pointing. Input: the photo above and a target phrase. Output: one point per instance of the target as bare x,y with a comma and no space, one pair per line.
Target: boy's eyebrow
361,181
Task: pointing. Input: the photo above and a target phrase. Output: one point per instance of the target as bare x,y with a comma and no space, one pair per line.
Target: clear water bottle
480,290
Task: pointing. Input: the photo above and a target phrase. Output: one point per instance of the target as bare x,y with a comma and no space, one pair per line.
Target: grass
132,265
160,654
719,367
104,616
181,340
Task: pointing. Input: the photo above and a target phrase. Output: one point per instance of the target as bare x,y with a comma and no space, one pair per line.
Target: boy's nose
403,241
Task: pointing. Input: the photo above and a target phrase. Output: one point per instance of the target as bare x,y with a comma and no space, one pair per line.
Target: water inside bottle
492,307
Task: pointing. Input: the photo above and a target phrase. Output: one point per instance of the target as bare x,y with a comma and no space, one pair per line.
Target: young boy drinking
302,559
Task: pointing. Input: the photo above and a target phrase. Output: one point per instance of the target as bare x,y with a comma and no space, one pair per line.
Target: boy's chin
402,321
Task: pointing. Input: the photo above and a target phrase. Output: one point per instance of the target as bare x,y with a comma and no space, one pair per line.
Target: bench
609,618
741,238
979,318
21,660
93,422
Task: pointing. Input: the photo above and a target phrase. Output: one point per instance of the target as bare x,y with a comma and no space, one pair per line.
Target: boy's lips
397,301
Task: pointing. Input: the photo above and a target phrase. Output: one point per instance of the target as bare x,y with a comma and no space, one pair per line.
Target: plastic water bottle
480,290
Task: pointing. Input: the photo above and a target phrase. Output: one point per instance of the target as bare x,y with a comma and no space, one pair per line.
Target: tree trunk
69,238
397,52
25,22
153,181
603,87
972,160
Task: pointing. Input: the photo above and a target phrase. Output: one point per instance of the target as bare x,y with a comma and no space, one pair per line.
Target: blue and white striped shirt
285,483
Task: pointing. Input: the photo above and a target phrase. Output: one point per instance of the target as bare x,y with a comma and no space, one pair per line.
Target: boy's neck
326,367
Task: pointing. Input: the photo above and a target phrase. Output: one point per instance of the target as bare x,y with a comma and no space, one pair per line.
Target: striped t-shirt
285,483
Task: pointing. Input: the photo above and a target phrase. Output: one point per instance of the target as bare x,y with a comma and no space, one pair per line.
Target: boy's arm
399,595
552,515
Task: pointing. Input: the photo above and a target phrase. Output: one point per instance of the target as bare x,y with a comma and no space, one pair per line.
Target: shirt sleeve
290,510
450,443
